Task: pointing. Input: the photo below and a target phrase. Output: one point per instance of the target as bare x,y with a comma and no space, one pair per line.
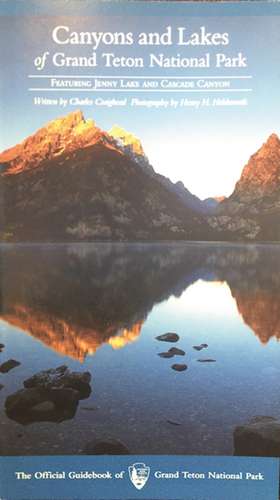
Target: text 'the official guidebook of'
139,250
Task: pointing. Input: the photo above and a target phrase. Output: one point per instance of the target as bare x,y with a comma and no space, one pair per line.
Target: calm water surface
99,307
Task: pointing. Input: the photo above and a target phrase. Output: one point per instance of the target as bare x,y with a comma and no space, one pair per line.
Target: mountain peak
270,147
70,120
273,140
127,139
72,124
62,135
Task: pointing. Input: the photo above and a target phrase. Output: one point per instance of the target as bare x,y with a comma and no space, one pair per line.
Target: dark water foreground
99,307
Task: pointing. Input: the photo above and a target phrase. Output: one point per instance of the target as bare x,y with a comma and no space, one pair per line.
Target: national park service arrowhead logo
139,474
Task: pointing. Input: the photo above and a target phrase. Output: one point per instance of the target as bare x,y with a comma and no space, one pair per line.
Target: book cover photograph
139,250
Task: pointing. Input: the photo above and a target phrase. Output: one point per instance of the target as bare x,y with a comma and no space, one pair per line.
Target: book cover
140,257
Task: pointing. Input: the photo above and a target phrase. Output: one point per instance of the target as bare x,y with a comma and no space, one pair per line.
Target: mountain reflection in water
75,298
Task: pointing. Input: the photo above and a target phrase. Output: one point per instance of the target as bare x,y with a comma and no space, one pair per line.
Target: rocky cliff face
73,181
260,179
253,210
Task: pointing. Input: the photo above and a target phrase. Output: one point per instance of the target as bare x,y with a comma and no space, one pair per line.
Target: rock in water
64,397
200,347
45,407
168,337
77,380
47,378
176,352
207,360
165,355
172,422
9,365
61,377
109,447
259,438
50,395
179,368
23,400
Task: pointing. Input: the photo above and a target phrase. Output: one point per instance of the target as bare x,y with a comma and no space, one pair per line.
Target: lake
99,308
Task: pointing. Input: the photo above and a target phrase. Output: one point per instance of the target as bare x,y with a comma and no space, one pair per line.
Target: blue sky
205,148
